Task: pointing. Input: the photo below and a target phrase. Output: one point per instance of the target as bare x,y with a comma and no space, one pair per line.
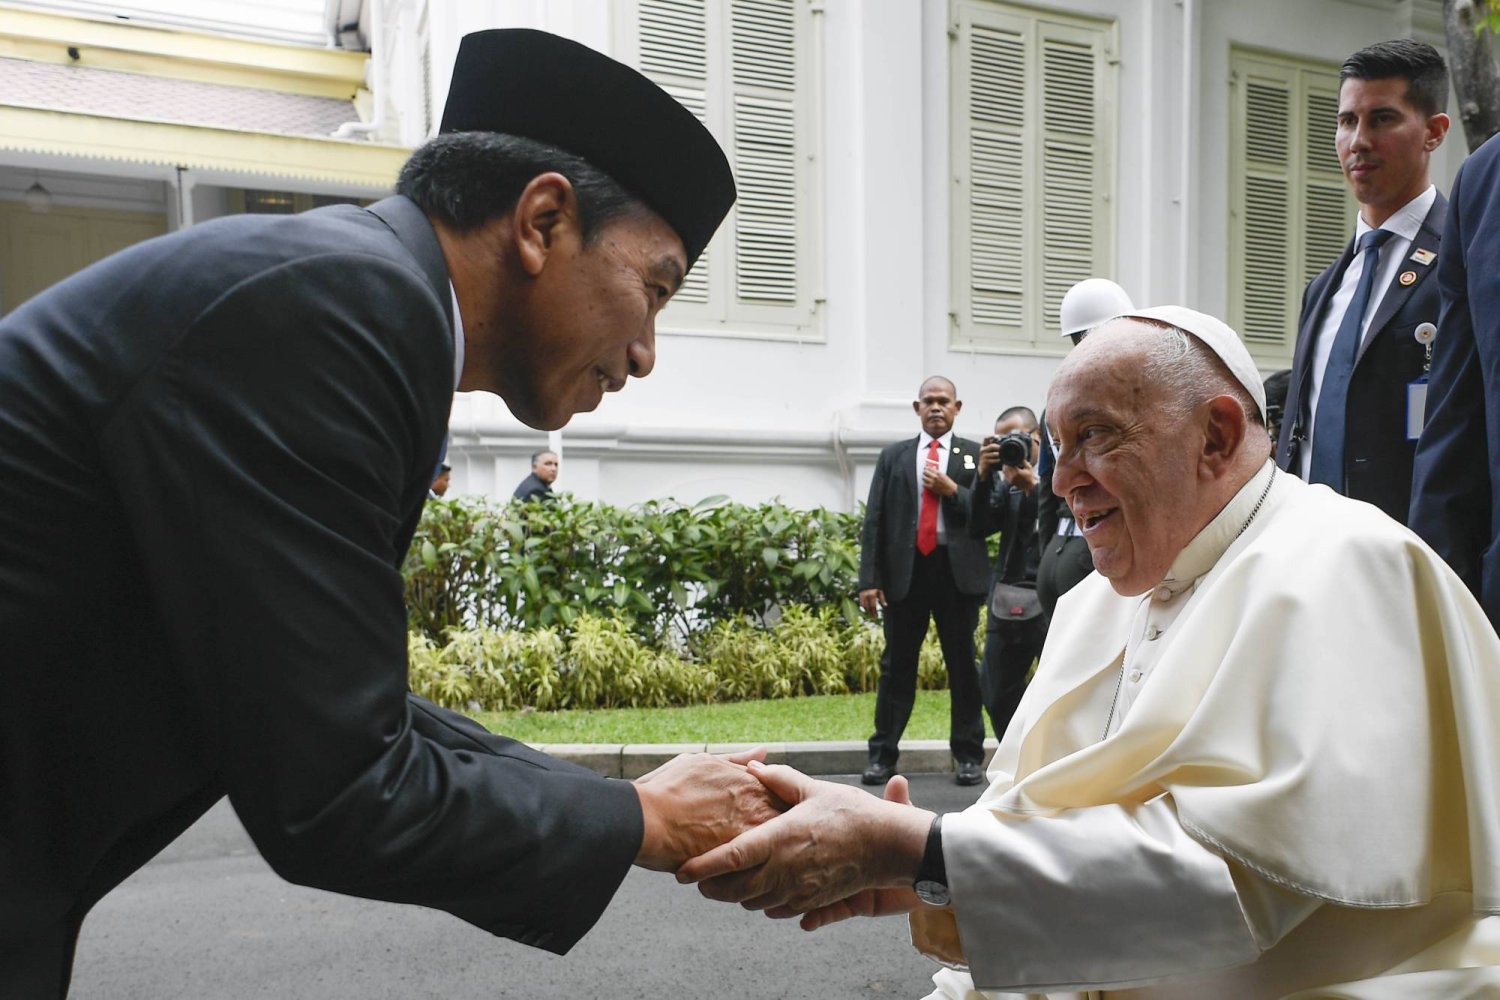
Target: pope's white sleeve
1101,897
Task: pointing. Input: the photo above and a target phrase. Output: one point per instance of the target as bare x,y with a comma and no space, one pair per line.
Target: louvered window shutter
764,80
996,111
1033,145
673,39
742,66
1290,212
1073,204
1328,223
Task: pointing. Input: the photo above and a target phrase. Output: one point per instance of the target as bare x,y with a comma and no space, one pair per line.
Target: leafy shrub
665,569
600,663
582,605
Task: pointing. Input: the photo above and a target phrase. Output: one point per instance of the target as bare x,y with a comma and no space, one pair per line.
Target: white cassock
1300,789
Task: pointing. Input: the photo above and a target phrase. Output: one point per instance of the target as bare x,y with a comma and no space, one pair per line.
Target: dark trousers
1010,647
932,595
37,964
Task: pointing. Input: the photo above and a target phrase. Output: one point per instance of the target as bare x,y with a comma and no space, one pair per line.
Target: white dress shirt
458,339
1404,226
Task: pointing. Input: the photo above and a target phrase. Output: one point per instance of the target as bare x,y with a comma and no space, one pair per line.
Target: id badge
1416,408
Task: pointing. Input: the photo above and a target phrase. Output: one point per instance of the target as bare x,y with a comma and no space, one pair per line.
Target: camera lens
1014,449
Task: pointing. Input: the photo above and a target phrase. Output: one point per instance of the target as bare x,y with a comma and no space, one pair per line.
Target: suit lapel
1308,334
1396,293
957,449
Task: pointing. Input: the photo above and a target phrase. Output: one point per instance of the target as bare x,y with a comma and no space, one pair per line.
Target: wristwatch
932,875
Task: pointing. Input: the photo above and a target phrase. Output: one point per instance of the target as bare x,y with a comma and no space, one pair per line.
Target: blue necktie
1327,465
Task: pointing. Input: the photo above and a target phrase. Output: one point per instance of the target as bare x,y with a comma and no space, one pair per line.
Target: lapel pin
968,461
1423,257
1407,277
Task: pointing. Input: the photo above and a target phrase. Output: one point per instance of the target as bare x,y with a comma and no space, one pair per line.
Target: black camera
1015,448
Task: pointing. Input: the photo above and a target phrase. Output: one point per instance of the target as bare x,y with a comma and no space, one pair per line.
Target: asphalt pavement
208,919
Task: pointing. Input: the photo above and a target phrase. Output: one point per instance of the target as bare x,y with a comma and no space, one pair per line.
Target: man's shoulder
895,448
1484,159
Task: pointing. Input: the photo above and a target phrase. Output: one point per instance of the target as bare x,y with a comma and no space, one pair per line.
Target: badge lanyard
1416,392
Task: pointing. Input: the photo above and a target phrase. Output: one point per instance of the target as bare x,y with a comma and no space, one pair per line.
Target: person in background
1352,422
538,484
1456,492
1276,386
439,487
919,563
1004,499
1065,557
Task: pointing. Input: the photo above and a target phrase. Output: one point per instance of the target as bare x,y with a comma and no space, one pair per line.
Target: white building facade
920,181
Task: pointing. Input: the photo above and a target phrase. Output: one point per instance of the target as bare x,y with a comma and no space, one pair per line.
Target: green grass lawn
825,717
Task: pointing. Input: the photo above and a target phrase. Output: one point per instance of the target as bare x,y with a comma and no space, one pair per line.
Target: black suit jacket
888,541
1458,456
214,448
999,507
532,488
1377,455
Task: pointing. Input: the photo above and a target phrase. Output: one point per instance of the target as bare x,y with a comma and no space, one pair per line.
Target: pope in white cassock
1259,756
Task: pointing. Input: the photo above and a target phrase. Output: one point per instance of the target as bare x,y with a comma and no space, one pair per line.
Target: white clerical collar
458,339
1209,545
1407,220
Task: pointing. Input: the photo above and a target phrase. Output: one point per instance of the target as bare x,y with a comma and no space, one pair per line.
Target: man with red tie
918,563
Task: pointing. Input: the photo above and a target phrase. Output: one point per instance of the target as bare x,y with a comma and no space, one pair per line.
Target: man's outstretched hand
696,802
832,845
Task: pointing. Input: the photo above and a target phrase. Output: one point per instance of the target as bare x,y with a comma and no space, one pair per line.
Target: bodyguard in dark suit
1348,420
1458,457
918,563
214,449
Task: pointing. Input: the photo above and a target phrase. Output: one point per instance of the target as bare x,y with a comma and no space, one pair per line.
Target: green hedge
582,605
667,570
600,663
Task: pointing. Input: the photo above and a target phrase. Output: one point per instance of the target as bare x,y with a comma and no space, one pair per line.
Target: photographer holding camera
1004,499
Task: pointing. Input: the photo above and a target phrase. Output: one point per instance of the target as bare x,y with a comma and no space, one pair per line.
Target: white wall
803,421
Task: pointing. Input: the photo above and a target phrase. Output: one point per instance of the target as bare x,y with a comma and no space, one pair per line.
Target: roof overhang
223,112
345,162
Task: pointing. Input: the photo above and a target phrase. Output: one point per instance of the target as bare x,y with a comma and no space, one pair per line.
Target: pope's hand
696,802
869,902
834,842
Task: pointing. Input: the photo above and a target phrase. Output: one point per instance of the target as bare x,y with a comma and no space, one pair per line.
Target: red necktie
927,518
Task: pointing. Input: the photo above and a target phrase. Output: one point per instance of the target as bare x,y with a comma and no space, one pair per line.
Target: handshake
771,838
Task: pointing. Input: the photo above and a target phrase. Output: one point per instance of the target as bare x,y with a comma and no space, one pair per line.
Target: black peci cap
551,89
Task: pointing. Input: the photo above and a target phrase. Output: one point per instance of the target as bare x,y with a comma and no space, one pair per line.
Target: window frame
725,313
1035,332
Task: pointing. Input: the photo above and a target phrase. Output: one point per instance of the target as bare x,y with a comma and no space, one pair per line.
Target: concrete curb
627,760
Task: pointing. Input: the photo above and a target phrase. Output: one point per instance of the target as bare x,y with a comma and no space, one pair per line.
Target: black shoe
877,773
969,773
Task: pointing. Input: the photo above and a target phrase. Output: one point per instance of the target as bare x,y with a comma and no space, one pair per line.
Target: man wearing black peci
214,449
